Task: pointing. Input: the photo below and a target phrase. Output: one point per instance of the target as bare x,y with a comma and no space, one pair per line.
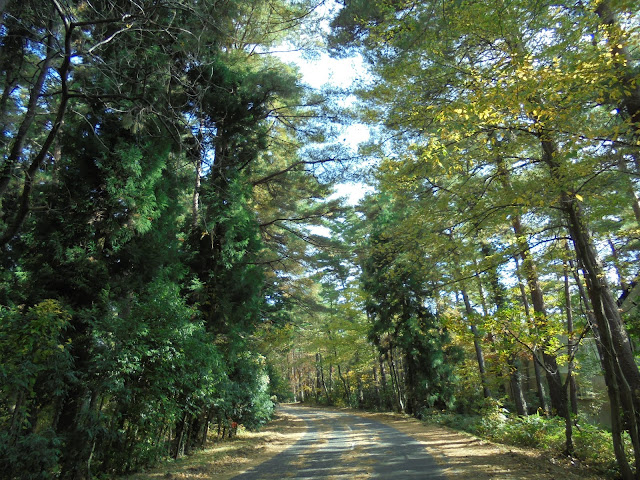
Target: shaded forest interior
175,261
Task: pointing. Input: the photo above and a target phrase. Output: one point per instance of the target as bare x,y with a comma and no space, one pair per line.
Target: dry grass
223,460
461,455
466,457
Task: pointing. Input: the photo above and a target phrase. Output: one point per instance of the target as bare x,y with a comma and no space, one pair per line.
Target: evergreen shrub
592,444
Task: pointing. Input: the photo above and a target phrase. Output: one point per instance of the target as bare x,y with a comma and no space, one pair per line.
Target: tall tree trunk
324,386
619,361
395,380
177,448
476,343
293,382
347,390
556,390
331,381
360,392
474,329
376,384
399,366
542,397
318,383
515,368
571,347
516,387
570,381
383,379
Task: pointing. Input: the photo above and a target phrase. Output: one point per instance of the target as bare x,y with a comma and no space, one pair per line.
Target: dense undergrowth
592,444
593,447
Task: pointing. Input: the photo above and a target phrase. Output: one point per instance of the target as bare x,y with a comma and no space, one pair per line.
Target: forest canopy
154,211
174,262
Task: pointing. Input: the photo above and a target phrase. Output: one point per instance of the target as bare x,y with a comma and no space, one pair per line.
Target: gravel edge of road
528,464
461,455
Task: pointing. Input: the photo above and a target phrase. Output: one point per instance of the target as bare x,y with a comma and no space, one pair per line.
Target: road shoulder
463,456
226,459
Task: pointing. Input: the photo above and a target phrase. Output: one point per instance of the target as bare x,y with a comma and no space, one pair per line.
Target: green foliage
498,126
593,446
279,385
35,359
154,358
396,296
133,272
154,249
251,403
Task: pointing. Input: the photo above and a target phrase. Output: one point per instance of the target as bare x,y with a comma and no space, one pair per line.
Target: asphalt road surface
340,446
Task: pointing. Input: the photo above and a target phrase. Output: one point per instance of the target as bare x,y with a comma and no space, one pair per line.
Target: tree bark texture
618,359
556,391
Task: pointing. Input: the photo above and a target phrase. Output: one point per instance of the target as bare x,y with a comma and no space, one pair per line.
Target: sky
324,71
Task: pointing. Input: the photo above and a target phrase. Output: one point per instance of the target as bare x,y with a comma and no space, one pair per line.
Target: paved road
340,446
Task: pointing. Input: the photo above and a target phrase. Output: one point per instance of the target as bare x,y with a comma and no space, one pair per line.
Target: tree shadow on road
465,457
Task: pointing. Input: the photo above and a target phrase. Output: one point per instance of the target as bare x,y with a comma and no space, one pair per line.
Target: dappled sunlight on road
340,446
465,457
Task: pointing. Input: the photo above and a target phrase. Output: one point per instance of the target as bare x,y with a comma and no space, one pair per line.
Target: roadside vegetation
593,447
173,261
225,457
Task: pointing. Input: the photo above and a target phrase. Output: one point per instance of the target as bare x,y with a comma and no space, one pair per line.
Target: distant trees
506,129
143,147
403,329
158,271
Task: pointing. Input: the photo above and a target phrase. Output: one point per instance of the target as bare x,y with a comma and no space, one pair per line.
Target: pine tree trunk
318,382
573,390
383,380
324,386
619,362
347,390
397,394
476,344
542,398
376,384
558,399
556,391
177,448
293,382
516,388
